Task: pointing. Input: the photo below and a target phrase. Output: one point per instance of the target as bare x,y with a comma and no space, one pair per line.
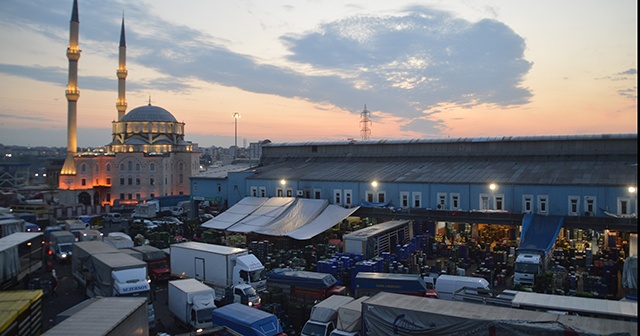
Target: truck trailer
191,302
304,285
371,241
349,318
21,312
221,267
108,316
324,314
157,263
21,254
371,283
103,270
247,321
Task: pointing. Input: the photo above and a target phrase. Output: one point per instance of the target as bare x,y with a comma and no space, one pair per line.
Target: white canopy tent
298,218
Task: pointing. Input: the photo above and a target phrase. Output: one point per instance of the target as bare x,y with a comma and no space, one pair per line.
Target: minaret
121,104
72,93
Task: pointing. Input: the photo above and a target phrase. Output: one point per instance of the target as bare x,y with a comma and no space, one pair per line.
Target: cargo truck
304,285
349,318
371,283
322,320
21,255
232,272
145,211
191,303
157,263
448,286
61,244
533,255
21,312
371,241
107,316
103,270
247,321
118,241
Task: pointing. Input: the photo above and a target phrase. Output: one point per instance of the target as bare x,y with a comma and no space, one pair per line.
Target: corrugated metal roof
507,170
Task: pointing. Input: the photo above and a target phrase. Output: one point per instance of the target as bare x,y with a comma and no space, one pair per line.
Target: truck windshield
250,292
526,268
159,264
65,248
316,329
204,315
257,275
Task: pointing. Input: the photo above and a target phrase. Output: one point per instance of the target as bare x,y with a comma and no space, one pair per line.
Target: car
149,225
171,220
30,227
112,217
205,217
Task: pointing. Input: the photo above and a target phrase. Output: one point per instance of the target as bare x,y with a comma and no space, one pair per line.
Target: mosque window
152,181
122,181
152,167
180,166
84,182
130,180
108,181
83,168
121,196
108,167
137,181
130,164
137,167
180,177
97,169
122,167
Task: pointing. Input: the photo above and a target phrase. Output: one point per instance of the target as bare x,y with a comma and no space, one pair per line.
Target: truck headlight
250,304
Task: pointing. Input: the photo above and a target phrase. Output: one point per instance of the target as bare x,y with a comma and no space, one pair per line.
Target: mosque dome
149,113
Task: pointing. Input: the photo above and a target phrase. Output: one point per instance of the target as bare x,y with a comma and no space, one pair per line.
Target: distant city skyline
304,71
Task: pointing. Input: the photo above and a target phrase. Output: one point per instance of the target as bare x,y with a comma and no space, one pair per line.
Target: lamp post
236,116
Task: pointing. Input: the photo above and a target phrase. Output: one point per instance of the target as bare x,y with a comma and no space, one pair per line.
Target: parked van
112,217
446,285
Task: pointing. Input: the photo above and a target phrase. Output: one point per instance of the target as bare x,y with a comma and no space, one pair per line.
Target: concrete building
588,179
148,155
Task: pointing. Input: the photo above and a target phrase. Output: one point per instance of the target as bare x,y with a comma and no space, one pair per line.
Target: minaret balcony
73,54
122,73
72,94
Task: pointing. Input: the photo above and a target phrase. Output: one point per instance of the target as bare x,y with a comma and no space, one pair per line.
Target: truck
21,255
323,316
145,210
304,285
448,285
371,241
231,271
398,314
533,255
89,234
349,318
21,312
61,244
118,241
116,316
157,263
74,226
102,270
10,224
246,321
370,283
191,302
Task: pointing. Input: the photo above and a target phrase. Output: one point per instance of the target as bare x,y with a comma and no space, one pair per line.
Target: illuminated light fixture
632,189
493,186
374,184
283,182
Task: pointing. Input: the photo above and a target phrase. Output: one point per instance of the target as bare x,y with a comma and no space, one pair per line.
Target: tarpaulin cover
540,232
235,214
332,215
301,278
298,218
264,215
298,214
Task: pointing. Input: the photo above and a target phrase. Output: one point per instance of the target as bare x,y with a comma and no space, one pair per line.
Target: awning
298,218
235,214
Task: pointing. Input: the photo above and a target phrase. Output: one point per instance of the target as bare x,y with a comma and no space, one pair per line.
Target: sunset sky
303,70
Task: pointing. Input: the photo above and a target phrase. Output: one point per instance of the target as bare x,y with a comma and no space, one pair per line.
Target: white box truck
191,302
448,285
221,267
323,316
349,318
103,270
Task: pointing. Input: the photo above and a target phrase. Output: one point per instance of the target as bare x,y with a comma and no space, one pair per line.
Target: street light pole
236,115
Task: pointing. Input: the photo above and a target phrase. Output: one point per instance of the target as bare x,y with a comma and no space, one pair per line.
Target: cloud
400,65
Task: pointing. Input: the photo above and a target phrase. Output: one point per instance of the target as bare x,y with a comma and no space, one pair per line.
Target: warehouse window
336,196
417,199
347,197
542,204
404,199
527,201
574,209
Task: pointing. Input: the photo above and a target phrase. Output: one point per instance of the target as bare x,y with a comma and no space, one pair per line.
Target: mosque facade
147,157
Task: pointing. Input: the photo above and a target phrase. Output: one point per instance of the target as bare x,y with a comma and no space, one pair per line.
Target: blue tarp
301,278
540,232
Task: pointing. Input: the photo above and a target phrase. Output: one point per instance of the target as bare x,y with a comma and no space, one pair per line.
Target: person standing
54,282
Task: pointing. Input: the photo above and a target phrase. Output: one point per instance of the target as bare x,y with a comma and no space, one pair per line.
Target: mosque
147,157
